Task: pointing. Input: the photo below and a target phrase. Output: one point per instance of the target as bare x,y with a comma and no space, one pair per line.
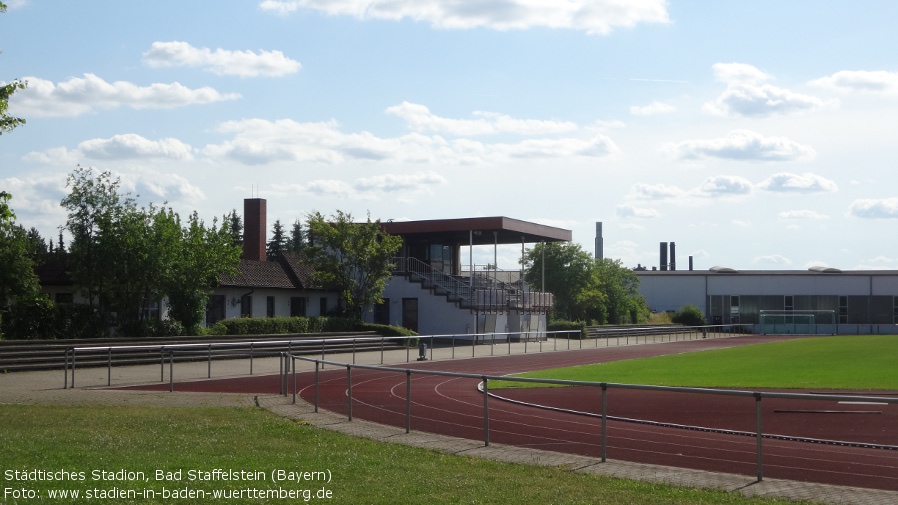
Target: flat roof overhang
459,231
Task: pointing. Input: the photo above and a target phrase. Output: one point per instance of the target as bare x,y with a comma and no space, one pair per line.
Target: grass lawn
844,362
86,440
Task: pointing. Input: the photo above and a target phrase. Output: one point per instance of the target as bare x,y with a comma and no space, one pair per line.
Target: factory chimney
673,256
254,226
663,259
600,246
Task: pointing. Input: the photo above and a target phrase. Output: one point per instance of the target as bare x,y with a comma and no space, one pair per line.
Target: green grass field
144,440
845,362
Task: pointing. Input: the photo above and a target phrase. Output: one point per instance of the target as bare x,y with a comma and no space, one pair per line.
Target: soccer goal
797,322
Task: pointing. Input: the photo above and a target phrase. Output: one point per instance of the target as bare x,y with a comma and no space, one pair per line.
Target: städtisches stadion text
279,483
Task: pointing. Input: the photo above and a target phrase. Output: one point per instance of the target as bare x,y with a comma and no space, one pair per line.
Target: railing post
171,371
353,350
316,387
486,412
109,369
65,370
251,358
382,338
210,360
760,437
162,364
293,358
408,401
453,346
349,389
604,421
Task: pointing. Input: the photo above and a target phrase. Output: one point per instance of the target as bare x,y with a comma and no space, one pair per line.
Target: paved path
47,388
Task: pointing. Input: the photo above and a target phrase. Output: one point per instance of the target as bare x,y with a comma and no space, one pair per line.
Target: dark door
410,313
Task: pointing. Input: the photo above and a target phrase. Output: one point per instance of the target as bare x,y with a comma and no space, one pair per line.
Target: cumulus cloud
118,147
653,109
627,210
744,145
370,187
723,185
81,95
872,208
135,146
220,61
747,96
860,81
259,141
801,214
591,16
420,119
785,182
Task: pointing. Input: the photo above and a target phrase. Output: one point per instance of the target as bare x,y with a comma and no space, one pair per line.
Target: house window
150,311
246,306
843,310
322,306
298,306
64,298
215,309
269,306
789,302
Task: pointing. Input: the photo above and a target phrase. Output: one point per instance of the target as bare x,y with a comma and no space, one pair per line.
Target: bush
152,329
561,325
689,315
385,330
281,325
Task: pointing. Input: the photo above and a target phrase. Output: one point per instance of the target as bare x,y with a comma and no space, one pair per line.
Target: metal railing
604,387
533,341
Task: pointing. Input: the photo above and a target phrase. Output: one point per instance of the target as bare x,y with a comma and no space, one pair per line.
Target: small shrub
561,325
689,315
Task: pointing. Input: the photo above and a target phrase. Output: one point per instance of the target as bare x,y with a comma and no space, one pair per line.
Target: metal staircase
487,293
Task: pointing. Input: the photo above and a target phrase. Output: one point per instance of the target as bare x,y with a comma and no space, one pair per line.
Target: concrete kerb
47,388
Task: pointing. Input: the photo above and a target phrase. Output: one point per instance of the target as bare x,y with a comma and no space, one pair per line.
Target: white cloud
745,145
627,210
785,182
259,141
801,214
220,61
871,208
772,259
420,119
860,81
367,188
591,16
81,95
135,146
725,185
733,73
746,96
653,109
644,191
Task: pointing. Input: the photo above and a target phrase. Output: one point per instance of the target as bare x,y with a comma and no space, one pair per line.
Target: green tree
235,223
585,288
297,241
17,277
205,253
566,269
356,258
7,122
278,242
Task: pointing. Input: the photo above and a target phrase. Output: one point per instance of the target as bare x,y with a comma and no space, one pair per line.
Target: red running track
453,406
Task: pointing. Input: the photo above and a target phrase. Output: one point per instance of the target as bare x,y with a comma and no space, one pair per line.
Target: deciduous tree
356,258
7,122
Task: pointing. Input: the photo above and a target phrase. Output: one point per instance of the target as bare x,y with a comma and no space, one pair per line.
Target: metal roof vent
825,270
724,270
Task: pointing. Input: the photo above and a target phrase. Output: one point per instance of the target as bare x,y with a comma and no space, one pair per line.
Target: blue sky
755,135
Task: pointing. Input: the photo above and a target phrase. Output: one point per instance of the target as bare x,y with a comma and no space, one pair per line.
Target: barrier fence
531,342
289,363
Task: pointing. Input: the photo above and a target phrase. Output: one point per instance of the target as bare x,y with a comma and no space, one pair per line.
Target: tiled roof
259,274
298,266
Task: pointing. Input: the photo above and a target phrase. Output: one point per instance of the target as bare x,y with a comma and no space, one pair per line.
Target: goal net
797,322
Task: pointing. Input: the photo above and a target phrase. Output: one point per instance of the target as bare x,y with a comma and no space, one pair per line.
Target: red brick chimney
254,226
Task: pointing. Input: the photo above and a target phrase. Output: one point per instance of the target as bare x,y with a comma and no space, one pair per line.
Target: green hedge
559,325
281,325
